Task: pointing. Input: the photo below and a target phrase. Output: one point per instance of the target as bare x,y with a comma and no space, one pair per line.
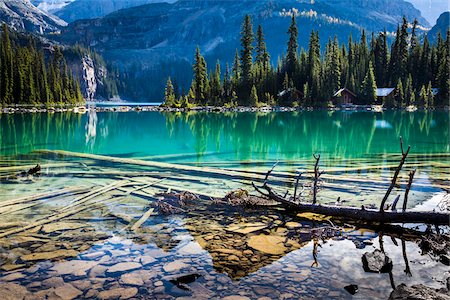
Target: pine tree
423,97
236,72
400,95
254,97
247,39
169,94
314,67
369,87
409,91
7,80
200,77
291,57
262,56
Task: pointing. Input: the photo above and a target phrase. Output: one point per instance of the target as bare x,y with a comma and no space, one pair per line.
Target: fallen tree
359,214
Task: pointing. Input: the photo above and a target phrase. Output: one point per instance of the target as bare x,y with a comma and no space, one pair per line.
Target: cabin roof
338,93
289,90
384,92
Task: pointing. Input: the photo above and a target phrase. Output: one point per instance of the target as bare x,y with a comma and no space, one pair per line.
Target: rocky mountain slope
161,31
22,15
160,38
442,25
72,10
51,6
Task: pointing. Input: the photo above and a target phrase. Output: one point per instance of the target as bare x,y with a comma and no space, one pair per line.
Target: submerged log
362,214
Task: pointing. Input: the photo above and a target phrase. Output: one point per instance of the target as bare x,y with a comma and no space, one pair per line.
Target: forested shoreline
28,76
417,71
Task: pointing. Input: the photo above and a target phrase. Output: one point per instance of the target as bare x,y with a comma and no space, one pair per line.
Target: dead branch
408,187
397,171
316,177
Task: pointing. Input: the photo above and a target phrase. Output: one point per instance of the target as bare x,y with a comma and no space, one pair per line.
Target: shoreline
84,108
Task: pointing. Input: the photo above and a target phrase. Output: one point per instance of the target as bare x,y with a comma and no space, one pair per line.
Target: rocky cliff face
72,10
92,75
22,15
442,25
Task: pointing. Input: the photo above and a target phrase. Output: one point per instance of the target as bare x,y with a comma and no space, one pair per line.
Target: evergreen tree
200,77
369,87
400,95
247,39
423,97
7,80
291,57
169,94
254,97
262,56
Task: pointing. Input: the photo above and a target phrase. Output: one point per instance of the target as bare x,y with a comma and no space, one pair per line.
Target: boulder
376,262
420,291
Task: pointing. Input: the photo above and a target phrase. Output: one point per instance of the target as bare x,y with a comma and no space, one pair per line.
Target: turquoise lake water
229,136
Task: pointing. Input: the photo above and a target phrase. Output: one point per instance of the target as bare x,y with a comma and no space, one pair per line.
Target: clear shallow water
94,253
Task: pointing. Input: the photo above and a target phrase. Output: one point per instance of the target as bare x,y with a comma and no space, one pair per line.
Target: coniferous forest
31,77
418,70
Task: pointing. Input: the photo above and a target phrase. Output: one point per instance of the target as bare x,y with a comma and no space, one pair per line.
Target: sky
431,9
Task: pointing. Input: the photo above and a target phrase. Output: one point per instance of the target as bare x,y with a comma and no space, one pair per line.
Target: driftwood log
362,214
359,214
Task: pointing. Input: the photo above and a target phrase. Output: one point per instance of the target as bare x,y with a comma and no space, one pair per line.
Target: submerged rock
420,291
175,266
118,293
48,255
12,291
352,289
376,262
74,267
268,244
67,292
123,267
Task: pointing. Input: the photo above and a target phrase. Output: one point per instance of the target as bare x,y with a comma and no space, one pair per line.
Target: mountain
22,15
72,10
161,31
431,9
158,40
442,25
51,6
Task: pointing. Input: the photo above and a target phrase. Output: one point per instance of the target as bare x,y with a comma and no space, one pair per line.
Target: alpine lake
89,225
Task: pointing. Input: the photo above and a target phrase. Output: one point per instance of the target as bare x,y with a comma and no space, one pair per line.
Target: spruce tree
262,56
169,94
247,39
291,56
254,97
400,94
7,80
200,77
369,87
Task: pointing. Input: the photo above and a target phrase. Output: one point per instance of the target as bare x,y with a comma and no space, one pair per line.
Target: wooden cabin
344,97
